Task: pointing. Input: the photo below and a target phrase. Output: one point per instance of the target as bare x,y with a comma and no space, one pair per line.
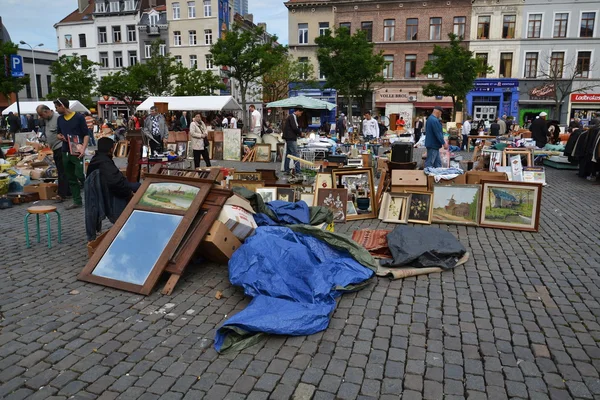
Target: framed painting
182,149
217,150
247,176
322,181
263,152
307,198
286,194
250,185
137,249
268,194
280,152
336,200
303,189
172,147
456,204
511,205
351,209
359,184
517,152
190,151
121,149
420,207
396,208
232,144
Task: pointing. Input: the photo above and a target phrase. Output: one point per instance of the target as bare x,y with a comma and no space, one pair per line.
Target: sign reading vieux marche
585,98
546,91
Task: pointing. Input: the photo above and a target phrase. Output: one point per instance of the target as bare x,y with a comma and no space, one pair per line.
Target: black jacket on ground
110,174
539,132
291,132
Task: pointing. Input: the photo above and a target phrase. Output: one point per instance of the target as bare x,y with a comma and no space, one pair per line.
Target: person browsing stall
102,161
199,135
291,133
434,138
51,121
370,129
156,126
73,131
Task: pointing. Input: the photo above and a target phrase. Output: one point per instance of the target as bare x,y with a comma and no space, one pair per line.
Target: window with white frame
303,67
534,26
131,33
208,38
588,19
147,50
115,6
531,65
176,38
435,28
102,36
129,5
118,59
431,57
302,33
192,38
389,25
133,57
459,27
162,50
193,61
506,65
100,7
176,11
560,25
153,19
104,60
209,61
557,63
207,8
178,59
388,69
191,9
410,66
583,64
116,30
323,27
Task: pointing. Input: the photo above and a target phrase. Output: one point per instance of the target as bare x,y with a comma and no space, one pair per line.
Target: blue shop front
316,118
492,98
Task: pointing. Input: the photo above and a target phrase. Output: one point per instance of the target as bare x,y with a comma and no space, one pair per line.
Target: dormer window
153,19
100,7
114,6
129,5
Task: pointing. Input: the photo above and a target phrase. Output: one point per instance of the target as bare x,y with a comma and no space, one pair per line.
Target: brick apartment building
406,31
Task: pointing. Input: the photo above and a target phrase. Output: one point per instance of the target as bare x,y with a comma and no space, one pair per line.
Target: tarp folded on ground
293,278
423,247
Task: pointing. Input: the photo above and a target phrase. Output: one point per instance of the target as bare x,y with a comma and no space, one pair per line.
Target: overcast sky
33,20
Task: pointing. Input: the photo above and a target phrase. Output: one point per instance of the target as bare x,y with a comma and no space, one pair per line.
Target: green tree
73,77
350,64
195,82
8,84
457,67
159,71
249,54
276,82
127,85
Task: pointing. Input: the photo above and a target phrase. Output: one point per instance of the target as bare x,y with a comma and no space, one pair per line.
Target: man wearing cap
539,130
434,138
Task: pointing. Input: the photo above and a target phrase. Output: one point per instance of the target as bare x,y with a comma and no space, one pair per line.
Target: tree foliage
73,77
249,54
127,85
195,82
159,71
349,63
276,82
8,84
458,69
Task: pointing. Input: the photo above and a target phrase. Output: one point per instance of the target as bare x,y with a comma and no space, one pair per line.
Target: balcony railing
153,30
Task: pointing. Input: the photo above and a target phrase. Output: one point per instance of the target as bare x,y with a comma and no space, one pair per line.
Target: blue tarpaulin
293,279
285,213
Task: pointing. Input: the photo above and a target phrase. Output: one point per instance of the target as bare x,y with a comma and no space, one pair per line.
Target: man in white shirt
256,120
370,128
225,123
466,131
232,122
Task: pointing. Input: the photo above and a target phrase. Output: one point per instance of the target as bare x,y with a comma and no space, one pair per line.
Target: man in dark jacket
434,139
291,133
495,128
14,124
117,185
539,130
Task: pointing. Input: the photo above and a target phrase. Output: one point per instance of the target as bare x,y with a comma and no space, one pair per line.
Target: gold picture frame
250,185
360,185
263,152
247,176
395,209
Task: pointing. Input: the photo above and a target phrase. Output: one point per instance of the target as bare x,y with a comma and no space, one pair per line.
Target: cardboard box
219,244
475,177
459,180
381,163
237,217
93,245
408,177
46,191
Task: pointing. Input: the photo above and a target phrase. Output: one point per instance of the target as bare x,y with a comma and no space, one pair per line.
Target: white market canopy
28,107
192,103
302,101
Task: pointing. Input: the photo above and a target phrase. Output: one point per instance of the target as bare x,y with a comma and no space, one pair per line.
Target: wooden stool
46,210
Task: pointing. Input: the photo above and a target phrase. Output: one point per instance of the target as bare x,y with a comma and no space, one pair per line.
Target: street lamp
37,98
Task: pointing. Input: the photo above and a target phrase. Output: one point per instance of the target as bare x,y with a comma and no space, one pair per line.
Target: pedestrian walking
291,133
434,139
199,139
255,121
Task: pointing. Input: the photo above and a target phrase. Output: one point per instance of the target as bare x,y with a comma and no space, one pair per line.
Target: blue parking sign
16,66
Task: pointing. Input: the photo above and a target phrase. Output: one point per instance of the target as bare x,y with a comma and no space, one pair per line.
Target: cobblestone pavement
519,320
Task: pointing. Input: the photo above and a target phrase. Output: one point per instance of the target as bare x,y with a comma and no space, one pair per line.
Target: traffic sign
16,66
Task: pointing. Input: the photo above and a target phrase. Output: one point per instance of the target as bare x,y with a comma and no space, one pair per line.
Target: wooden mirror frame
337,178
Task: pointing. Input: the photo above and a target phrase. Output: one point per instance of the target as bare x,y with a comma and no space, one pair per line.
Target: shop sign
585,98
543,92
396,95
495,83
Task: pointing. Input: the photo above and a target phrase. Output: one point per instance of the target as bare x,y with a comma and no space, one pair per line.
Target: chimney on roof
249,17
152,3
262,25
83,4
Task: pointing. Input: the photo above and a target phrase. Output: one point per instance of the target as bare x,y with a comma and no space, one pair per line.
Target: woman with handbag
199,139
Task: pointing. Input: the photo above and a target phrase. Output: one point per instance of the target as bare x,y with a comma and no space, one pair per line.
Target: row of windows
208,61
533,69
191,9
116,34
534,25
38,79
117,59
193,38
69,41
115,6
389,29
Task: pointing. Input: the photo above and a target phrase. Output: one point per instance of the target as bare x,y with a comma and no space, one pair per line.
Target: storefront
534,98
109,108
584,106
408,103
318,117
492,98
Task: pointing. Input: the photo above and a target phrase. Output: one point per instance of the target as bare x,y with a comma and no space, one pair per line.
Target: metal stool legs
48,229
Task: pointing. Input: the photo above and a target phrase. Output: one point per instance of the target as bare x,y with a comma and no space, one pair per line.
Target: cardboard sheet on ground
293,279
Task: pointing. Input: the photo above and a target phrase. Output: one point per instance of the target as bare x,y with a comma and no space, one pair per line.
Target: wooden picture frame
395,209
308,198
322,181
232,144
247,176
190,151
456,204
121,149
510,205
359,184
303,189
517,152
286,194
250,185
263,152
336,200
163,210
267,193
182,149
280,152
420,208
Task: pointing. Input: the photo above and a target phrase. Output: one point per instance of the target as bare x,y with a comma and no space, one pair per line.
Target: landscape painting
511,205
456,204
232,144
172,196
